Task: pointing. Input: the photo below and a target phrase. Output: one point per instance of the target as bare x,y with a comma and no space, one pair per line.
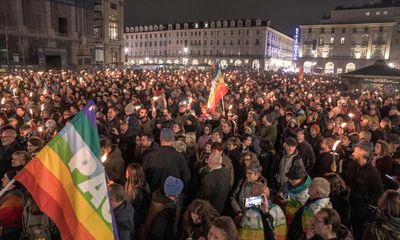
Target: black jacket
163,162
124,215
323,165
306,153
365,183
340,202
215,187
6,156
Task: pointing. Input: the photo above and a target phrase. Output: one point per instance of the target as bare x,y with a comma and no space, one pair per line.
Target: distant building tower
108,31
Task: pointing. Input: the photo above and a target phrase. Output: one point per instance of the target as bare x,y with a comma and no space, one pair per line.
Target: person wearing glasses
8,146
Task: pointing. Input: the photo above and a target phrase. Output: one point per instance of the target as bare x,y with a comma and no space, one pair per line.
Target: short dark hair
331,218
116,191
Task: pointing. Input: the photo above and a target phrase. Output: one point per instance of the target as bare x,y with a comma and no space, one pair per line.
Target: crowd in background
323,159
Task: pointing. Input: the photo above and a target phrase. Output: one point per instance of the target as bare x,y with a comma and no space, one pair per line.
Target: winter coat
340,202
287,162
296,198
243,191
279,221
227,163
115,165
323,165
124,219
160,220
215,187
365,184
307,154
268,133
163,162
6,156
385,227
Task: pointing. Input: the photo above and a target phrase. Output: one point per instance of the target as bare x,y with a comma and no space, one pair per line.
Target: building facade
58,33
351,38
251,43
108,31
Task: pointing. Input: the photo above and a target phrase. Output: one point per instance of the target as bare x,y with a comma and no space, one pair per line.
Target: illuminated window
385,12
367,14
113,28
332,40
342,40
378,13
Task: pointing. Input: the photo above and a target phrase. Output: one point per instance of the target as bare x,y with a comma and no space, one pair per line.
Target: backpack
35,224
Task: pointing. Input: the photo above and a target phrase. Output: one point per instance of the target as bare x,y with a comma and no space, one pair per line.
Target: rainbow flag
217,92
67,181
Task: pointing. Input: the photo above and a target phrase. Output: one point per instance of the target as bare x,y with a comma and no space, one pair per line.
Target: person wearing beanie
161,221
302,225
366,186
165,161
11,208
290,159
295,192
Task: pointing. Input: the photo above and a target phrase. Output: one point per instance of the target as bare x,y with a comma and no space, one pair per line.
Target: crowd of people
282,156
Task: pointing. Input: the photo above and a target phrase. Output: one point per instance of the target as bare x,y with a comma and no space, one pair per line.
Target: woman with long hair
137,193
197,219
381,160
339,196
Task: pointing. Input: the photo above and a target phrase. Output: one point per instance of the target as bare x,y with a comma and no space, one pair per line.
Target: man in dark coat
215,185
165,161
325,160
366,187
161,219
306,151
8,146
123,212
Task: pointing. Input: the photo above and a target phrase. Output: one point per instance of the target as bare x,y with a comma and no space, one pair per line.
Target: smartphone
253,201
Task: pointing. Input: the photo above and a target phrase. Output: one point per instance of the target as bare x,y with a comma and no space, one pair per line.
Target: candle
3,100
42,107
14,91
351,115
104,157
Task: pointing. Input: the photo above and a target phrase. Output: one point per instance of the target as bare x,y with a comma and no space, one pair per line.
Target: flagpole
6,187
223,105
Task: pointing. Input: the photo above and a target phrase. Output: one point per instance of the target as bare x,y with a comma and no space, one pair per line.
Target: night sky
285,15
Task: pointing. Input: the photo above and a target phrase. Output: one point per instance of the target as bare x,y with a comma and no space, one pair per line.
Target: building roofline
347,23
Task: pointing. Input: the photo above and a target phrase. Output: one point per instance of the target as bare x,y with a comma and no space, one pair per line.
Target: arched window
113,28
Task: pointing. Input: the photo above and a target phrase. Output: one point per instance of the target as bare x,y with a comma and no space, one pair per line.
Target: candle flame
42,107
104,157
335,145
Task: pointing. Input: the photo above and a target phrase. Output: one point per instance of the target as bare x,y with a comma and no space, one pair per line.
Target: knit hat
11,174
291,142
173,186
366,146
167,134
296,173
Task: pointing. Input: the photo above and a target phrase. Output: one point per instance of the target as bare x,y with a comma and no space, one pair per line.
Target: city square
133,120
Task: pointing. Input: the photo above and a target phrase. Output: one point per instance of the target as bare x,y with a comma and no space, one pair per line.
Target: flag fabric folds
67,180
217,92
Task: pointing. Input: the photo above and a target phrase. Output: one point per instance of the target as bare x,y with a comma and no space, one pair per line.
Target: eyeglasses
246,159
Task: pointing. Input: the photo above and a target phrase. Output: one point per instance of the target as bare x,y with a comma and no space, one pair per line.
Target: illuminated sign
296,44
